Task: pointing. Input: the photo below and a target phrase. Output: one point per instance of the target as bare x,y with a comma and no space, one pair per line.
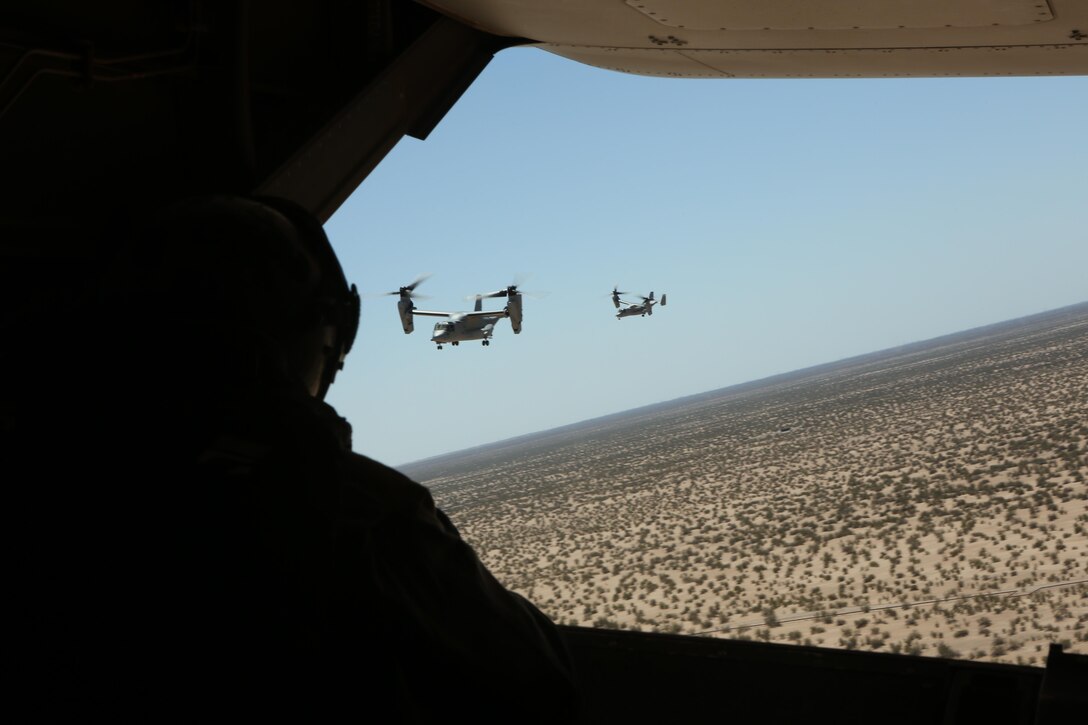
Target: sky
790,222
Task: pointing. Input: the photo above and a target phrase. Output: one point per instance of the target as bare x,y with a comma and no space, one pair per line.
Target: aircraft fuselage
631,311
469,328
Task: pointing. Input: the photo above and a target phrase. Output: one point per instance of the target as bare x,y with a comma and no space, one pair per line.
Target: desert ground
929,500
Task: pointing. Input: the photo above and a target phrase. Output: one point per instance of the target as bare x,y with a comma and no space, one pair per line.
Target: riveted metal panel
841,14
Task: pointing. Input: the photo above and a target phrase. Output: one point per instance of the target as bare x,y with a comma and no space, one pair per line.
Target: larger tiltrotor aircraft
460,327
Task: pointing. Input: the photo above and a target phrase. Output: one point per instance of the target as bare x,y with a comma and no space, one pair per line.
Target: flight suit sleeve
462,630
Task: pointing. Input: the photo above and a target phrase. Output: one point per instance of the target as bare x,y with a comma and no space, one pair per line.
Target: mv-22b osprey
629,309
460,326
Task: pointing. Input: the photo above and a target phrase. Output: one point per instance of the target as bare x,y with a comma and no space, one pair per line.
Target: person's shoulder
366,468
375,491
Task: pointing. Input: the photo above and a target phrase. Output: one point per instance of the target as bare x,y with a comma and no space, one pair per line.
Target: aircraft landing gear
486,343
439,347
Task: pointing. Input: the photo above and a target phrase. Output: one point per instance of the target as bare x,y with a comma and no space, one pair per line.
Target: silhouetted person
198,541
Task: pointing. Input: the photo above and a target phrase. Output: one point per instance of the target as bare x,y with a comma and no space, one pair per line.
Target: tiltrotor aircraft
630,309
461,326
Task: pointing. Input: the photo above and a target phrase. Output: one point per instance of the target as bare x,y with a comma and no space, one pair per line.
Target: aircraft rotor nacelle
513,311
404,308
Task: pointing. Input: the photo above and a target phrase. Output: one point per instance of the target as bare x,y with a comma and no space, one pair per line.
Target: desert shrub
943,650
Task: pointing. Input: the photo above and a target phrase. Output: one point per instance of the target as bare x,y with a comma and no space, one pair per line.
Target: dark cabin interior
107,107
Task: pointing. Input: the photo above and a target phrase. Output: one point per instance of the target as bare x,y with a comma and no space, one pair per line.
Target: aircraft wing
483,313
459,315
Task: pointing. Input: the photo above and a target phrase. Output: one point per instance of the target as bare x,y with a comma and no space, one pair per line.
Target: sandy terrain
929,500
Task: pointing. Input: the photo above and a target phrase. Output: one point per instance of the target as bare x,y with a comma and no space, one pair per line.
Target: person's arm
467,629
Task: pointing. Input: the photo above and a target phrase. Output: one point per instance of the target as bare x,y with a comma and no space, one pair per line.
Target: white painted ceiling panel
841,14
797,38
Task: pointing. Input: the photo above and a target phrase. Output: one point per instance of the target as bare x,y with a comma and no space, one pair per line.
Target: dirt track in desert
927,500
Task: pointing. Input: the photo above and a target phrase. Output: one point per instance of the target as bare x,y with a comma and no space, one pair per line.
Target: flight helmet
244,291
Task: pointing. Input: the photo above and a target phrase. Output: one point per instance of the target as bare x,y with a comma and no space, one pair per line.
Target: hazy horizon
753,382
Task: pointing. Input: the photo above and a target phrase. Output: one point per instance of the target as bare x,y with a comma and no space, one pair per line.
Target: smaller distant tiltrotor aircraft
460,326
629,309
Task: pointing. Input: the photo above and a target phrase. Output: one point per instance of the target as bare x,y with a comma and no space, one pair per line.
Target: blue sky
790,222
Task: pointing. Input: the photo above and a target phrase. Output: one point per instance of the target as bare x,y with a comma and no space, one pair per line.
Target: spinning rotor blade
408,290
511,290
508,293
